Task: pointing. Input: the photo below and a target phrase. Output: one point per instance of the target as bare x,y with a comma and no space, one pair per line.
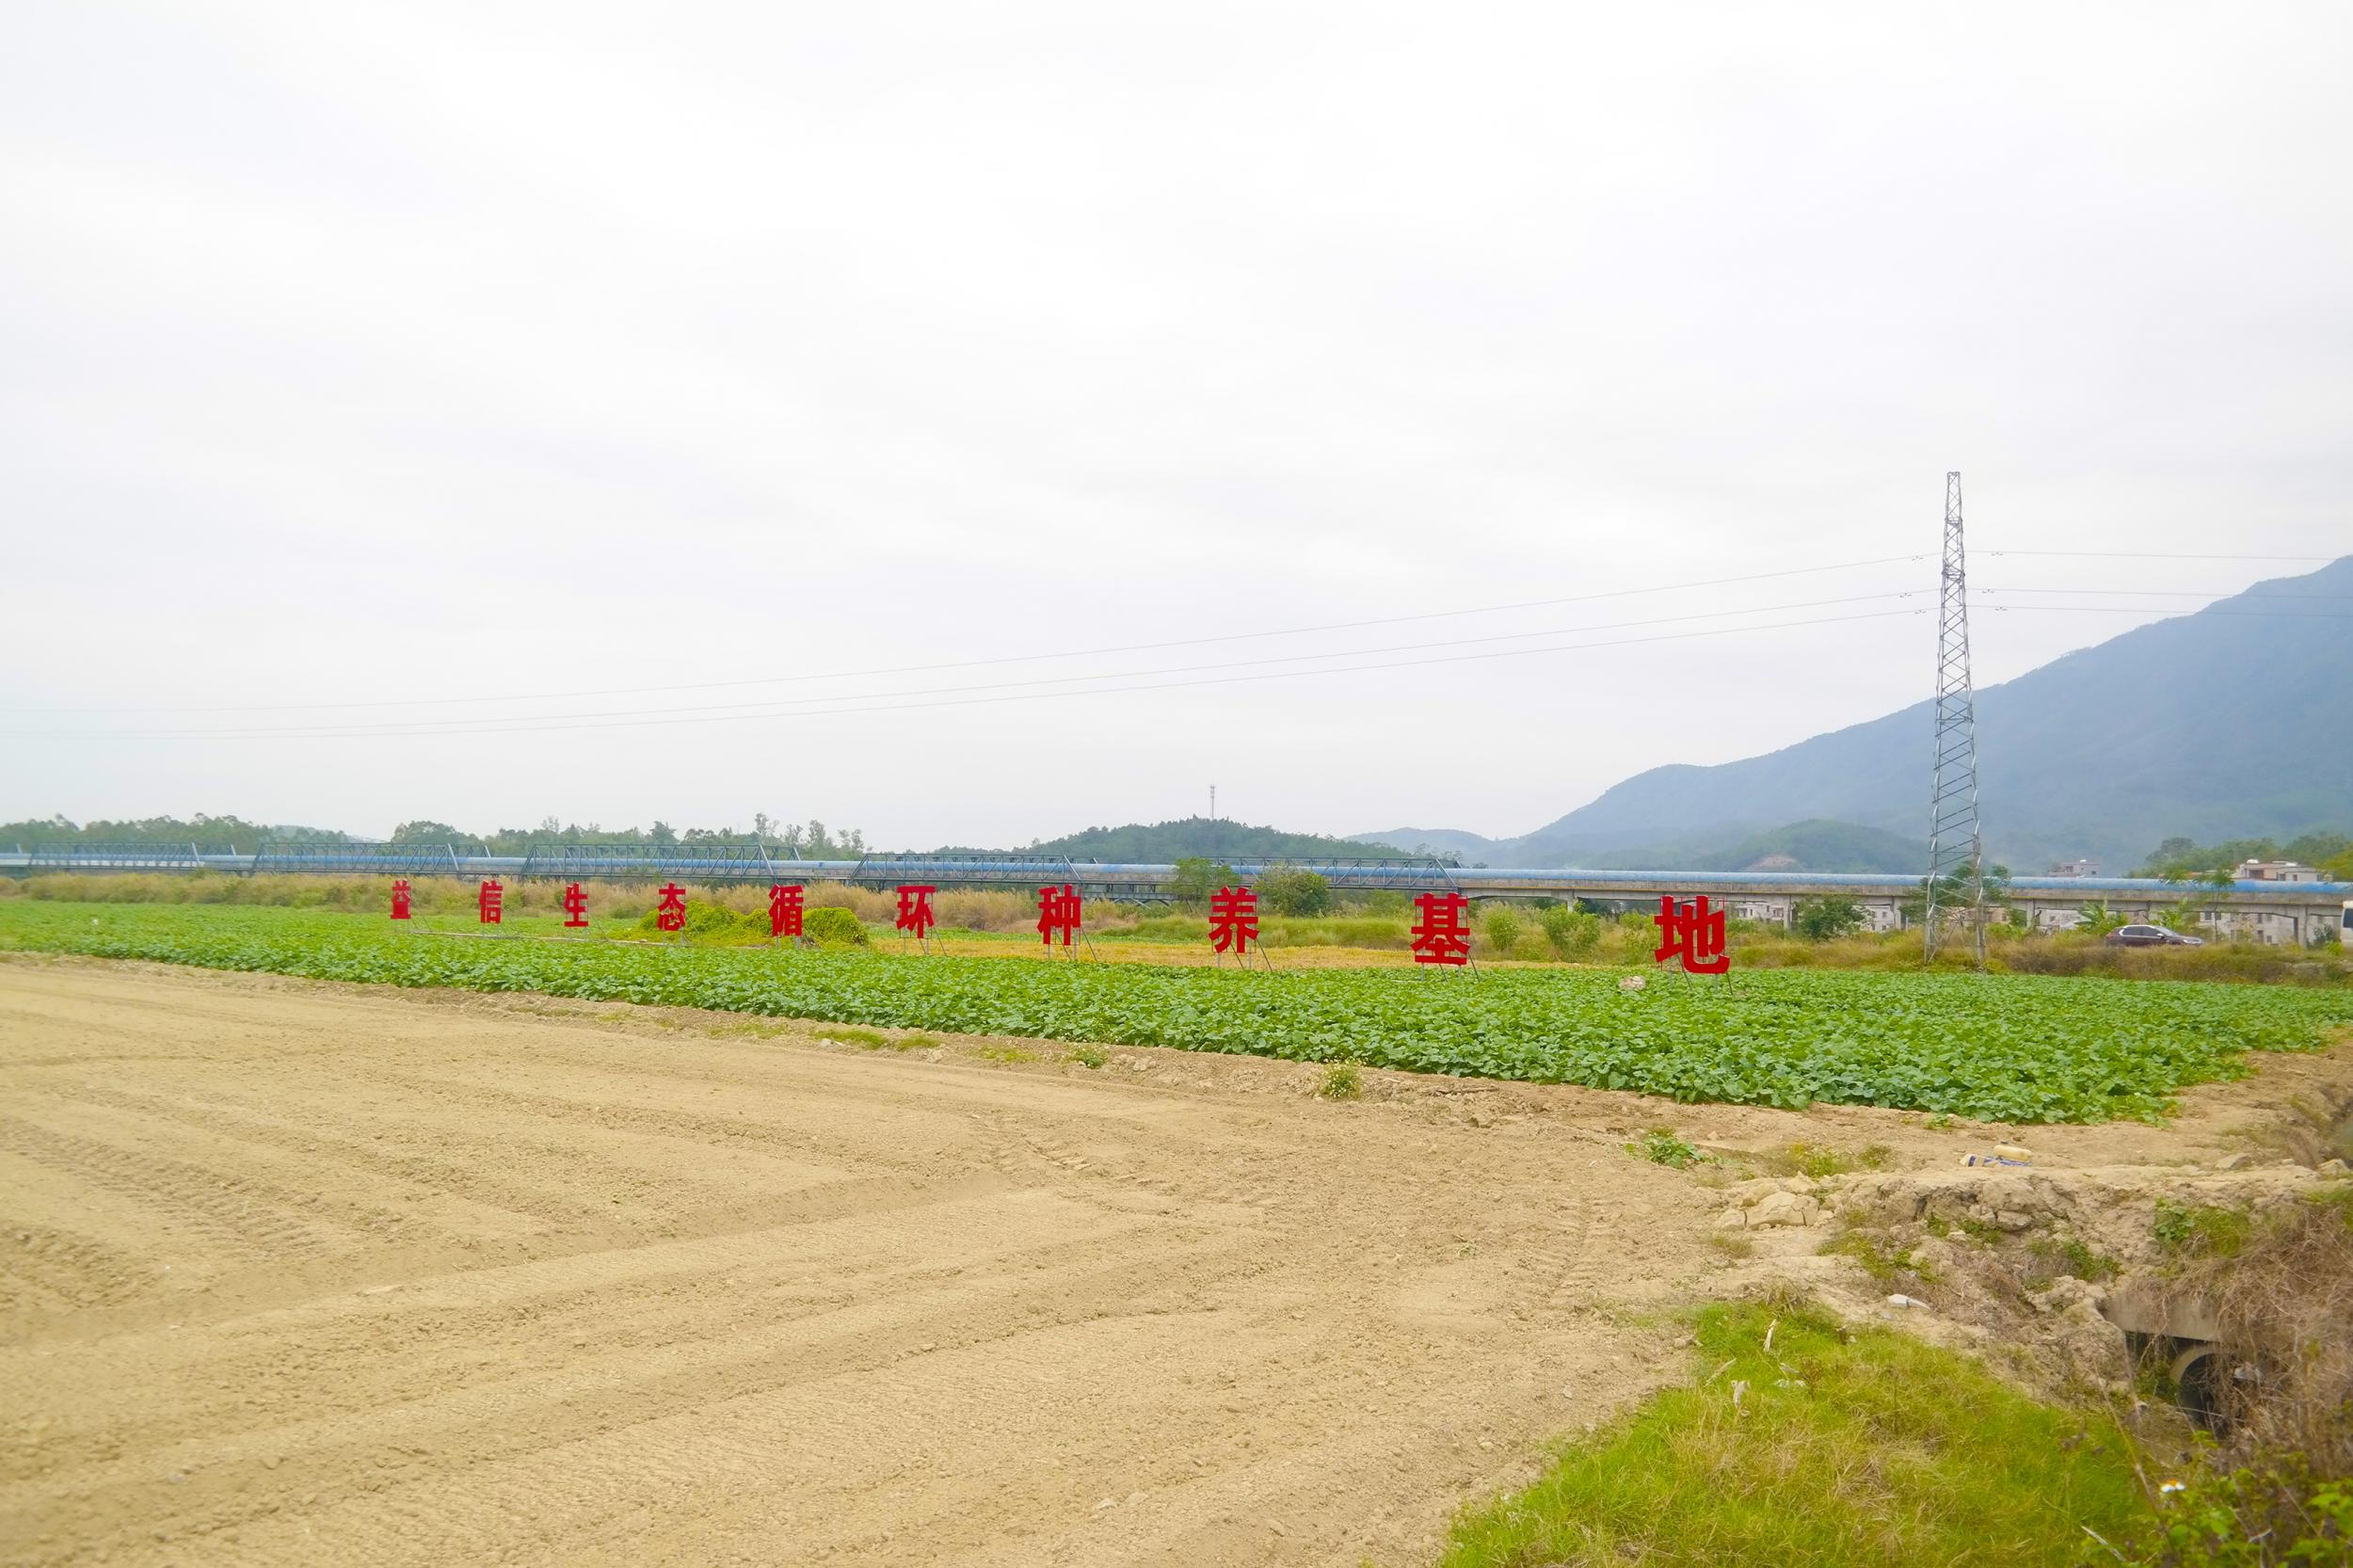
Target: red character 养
1233,920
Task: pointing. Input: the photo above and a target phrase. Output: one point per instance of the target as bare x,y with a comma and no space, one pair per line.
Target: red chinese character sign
489,902
1693,932
400,900
1440,936
784,910
1233,920
915,910
575,907
670,914
1057,911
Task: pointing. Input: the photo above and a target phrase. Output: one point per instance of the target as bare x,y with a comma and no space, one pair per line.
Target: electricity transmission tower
1954,839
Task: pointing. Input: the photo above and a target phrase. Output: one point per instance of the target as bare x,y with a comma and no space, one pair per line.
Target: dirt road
296,1273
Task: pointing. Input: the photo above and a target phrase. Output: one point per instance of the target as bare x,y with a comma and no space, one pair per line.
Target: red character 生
575,907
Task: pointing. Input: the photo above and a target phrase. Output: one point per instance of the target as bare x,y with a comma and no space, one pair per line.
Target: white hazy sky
354,358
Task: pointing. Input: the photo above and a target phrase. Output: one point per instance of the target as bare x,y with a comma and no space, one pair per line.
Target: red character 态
1440,937
1693,933
1057,910
671,914
915,909
489,902
784,909
575,907
400,900
1233,920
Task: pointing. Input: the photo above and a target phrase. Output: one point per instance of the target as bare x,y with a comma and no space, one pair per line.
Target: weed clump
1087,1056
1341,1081
1662,1147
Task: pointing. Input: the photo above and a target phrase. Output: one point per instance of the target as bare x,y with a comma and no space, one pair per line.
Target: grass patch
1087,1056
1814,1160
1661,1145
869,1039
1888,1269
1341,1081
1823,1452
2189,1233
1731,1245
1008,1053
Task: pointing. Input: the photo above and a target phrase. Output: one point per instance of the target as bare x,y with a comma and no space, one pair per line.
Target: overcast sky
355,361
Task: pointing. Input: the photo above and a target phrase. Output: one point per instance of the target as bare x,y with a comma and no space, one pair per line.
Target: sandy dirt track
299,1274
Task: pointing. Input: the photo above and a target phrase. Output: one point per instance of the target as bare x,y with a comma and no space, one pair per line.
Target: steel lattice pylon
1954,838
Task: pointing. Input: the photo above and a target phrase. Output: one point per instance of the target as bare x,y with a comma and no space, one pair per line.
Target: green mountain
1162,843
2232,722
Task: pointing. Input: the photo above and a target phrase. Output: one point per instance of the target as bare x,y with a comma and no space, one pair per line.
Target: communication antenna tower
1954,838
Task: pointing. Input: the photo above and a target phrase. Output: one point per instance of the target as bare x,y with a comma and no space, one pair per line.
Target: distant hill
1162,843
207,832
2236,720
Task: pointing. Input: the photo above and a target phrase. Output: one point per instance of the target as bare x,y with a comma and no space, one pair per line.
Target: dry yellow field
301,1274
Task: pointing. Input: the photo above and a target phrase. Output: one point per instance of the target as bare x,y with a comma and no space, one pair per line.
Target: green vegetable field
2013,1049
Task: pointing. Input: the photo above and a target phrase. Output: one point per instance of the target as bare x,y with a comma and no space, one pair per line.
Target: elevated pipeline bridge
2281,911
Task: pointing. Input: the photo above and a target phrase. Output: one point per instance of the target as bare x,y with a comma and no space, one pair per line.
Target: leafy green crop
2017,1049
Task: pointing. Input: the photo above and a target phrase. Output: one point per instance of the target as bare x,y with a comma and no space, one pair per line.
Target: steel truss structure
1955,839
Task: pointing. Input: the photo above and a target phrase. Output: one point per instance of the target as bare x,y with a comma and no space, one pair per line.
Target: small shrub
1573,932
1503,930
1087,1056
2184,1232
1341,1081
833,927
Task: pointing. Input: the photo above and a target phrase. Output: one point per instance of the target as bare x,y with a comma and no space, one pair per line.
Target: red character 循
671,914
784,909
490,902
400,900
1233,920
1440,937
1057,910
575,907
1693,932
915,909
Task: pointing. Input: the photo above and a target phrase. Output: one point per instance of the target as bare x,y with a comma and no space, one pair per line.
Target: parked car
2151,937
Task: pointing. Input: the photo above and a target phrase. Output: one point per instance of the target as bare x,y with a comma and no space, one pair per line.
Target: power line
532,728
971,664
460,726
2152,555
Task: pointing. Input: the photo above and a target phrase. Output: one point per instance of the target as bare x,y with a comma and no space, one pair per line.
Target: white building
2275,871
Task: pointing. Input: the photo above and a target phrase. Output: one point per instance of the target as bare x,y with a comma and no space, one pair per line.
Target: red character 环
1233,920
671,914
784,909
400,900
490,902
1057,910
1693,932
1440,936
915,909
575,907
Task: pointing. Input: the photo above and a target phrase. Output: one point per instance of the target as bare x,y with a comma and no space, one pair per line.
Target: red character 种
1057,910
784,909
1233,920
575,907
671,914
1440,937
1693,932
489,902
915,909
400,900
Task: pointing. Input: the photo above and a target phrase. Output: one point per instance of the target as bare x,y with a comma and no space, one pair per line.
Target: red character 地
1233,920
915,909
400,900
1439,935
670,915
1693,932
784,909
1057,910
490,902
575,907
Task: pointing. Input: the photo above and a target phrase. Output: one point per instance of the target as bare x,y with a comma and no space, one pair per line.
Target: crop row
2017,1049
